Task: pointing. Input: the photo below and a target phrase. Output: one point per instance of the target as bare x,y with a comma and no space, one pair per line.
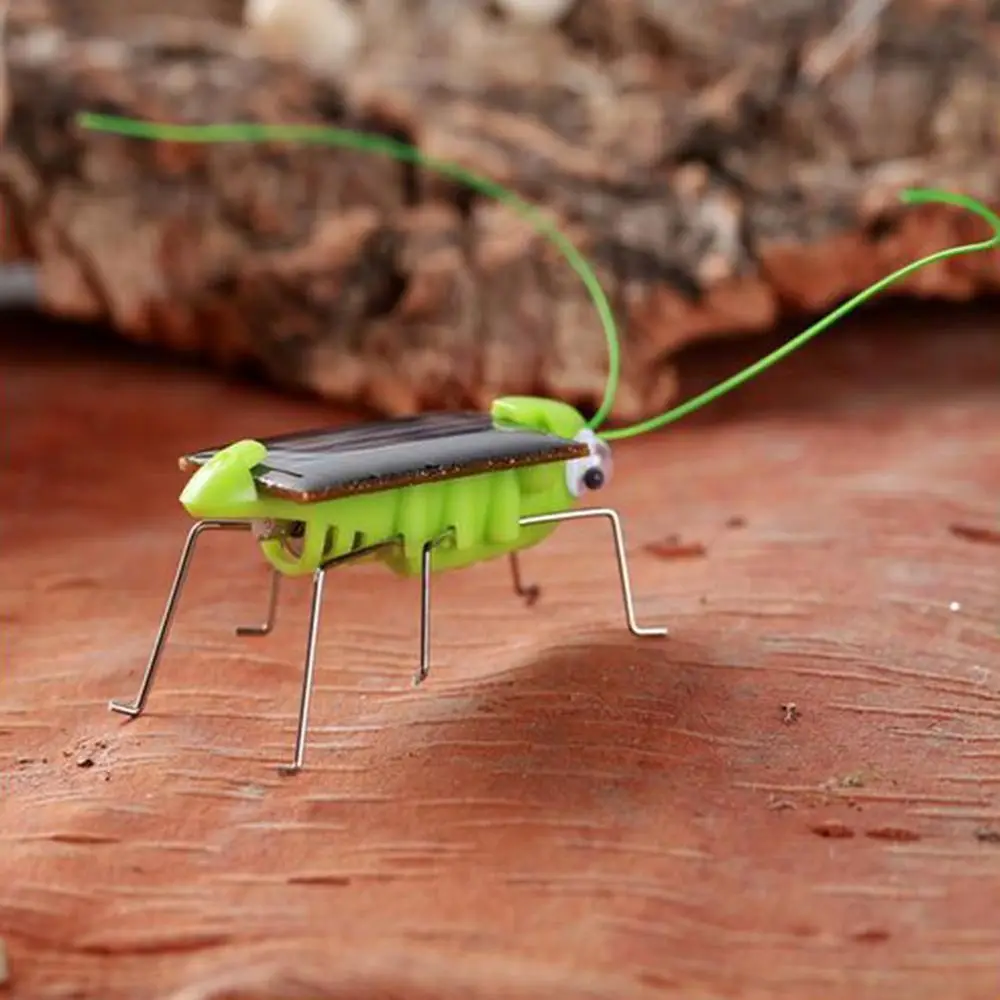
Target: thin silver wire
529,592
134,708
623,574
312,640
425,604
267,626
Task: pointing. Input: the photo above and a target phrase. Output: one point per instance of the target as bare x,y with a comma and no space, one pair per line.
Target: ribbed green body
480,514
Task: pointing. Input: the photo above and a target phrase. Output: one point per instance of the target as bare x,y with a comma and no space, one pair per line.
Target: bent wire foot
425,605
528,592
267,626
134,708
312,641
623,574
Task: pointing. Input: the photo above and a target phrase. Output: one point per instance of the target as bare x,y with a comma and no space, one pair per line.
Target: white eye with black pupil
592,471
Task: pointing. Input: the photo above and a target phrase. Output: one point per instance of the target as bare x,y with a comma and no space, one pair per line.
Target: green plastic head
224,486
549,416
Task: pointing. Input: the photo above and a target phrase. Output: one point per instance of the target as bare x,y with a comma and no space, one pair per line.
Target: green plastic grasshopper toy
435,492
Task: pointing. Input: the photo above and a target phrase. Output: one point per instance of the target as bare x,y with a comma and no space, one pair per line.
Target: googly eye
603,451
592,471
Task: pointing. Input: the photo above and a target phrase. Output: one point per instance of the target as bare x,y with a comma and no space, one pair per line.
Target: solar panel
315,465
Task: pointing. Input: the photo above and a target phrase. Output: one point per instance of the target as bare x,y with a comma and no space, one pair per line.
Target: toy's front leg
312,642
425,604
135,707
308,672
623,574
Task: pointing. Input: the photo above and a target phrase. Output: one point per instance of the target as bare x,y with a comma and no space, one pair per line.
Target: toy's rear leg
312,640
623,574
267,626
425,604
309,670
529,592
135,707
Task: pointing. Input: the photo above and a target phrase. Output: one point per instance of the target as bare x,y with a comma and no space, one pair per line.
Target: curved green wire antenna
913,197
379,144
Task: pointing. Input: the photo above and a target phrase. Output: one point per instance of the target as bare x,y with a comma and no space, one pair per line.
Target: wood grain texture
796,795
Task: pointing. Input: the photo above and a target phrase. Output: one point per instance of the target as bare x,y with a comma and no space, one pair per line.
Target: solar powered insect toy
434,492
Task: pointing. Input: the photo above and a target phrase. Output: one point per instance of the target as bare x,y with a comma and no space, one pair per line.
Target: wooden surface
561,811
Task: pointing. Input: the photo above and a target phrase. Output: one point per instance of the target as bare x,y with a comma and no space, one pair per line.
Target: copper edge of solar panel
315,465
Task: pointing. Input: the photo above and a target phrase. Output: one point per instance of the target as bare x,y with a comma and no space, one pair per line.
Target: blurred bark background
724,163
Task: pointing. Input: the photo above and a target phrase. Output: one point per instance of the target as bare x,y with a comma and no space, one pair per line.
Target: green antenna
913,197
384,146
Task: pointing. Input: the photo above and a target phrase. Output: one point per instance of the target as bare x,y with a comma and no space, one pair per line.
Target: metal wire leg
312,642
623,574
309,672
266,627
134,708
425,606
529,592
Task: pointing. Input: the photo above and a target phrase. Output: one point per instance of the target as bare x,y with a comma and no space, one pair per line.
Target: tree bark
723,166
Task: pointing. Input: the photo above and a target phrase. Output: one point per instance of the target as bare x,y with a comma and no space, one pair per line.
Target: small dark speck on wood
850,781
789,713
870,935
833,829
898,835
975,533
672,547
988,835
